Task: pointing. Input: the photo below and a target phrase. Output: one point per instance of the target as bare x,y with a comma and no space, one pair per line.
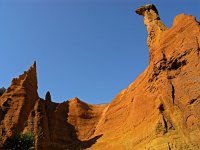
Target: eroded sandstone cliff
17,103
68,125
160,110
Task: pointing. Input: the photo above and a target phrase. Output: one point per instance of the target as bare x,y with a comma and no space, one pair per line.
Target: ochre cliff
17,103
68,125
160,110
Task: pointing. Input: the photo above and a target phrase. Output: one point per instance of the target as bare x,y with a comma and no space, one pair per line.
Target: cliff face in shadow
160,110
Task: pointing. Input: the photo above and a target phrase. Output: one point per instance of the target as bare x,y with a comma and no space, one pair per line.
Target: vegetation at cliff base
19,141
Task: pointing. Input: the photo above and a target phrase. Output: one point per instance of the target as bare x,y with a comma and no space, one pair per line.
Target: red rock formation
17,102
48,96
160,110
68,125
84,117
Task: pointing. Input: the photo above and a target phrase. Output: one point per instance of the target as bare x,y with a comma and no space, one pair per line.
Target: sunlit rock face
17,103
154,26
160,110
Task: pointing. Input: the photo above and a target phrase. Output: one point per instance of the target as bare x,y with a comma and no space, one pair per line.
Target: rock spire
154,25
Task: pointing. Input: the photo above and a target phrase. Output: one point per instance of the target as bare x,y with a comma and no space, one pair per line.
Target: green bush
2,90
19,142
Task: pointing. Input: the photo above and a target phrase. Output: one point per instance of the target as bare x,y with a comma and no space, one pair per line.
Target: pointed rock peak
76,103
32,72
153,23
34,64
29,76
75,99
48,96
33,67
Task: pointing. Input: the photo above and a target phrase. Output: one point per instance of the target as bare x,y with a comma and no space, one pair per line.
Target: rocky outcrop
159,110
154,26
84,117
68,125
48,96
17,102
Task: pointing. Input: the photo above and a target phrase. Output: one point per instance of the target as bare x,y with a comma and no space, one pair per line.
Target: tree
19,141
2,90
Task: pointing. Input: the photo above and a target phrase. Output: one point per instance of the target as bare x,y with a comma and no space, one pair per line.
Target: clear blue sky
91,49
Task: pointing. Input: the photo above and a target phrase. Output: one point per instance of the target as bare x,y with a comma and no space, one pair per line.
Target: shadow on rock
84,144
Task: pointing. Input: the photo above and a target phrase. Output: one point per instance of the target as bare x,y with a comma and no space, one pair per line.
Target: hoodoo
154,26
